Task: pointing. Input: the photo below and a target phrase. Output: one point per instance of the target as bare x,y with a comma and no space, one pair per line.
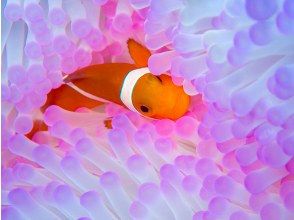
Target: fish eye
144,108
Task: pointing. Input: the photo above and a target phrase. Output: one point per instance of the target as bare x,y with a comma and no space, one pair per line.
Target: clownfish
129,85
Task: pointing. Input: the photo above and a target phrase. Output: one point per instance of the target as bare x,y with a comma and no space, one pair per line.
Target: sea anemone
229,157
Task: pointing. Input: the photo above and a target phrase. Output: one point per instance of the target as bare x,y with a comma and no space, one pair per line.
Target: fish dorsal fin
138,53
73,77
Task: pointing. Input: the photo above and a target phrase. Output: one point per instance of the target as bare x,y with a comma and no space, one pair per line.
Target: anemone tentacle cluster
229,157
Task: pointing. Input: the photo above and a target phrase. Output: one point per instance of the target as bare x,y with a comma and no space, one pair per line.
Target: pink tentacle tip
190,183
122,23
13,12
68,65
109,179
23,124
58,17
34,12
81,28
186,126
82,57
52,114
18,196
109,8
164,127
33,50
36,73
17,74
218,205
61,44
137,163
148,192
164,145
270,211
59,129
63,193
138,210
96,40
84,145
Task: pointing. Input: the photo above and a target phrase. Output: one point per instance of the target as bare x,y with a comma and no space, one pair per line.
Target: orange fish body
103,80
129,85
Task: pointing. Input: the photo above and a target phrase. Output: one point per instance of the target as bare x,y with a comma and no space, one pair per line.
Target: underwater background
229,157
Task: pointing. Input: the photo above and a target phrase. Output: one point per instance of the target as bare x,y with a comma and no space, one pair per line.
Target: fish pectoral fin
138,53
